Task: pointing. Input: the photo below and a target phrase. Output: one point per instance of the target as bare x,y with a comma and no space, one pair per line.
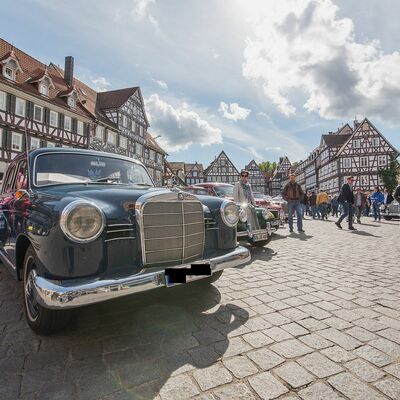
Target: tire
388,218
39,318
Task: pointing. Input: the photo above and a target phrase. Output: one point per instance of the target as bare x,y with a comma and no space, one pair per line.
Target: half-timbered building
38,106
221,170
194,173
256,177
281,172
45,105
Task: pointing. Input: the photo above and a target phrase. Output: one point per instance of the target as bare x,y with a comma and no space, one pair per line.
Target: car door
12,209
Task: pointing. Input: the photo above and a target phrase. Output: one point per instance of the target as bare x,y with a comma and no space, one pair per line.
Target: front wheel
39,318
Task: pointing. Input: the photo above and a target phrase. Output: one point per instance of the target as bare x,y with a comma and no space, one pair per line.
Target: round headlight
82,221
229,213
267,214
242,215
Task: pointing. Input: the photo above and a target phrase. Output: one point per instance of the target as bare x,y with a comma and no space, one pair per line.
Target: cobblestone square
313,316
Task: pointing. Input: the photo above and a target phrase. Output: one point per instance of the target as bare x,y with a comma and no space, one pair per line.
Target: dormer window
43,89
71,102
9,73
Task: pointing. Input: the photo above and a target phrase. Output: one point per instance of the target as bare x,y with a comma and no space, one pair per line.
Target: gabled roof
190,166
222,154
177,165
335,140
42,75
115,98
360,128
150,141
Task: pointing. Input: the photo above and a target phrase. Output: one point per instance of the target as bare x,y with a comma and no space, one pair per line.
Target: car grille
172,229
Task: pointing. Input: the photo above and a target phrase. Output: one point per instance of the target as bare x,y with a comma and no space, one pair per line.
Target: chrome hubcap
32,305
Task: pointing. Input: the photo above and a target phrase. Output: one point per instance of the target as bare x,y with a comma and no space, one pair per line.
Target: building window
111,137
80,127
71,102
139,149
51,144
123,142
356,143
16,141
364,161
195,174
99,132
2,101
381,161
43,89
67,123
38,113
20,107
375,142
124,121
346,162
54,118
364,181
35,143
9,73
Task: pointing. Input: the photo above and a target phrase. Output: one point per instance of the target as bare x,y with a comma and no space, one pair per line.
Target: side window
9,180
21,181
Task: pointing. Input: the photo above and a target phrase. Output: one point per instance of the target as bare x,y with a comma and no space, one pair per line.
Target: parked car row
79,227
256,223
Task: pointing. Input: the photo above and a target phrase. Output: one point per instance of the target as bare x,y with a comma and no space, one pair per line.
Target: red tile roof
114,98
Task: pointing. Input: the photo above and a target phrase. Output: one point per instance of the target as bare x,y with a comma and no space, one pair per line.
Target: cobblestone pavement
311,317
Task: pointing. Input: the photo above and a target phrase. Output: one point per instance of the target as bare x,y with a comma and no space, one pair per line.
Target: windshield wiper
105,179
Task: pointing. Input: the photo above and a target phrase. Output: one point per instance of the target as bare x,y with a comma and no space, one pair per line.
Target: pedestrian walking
313,206
377,199
293,194
347,200
367,204
322,203
397,194
242,192
304,205
359,204
335,205
329,210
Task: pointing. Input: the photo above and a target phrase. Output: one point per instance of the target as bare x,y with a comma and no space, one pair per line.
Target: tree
267,166
389,174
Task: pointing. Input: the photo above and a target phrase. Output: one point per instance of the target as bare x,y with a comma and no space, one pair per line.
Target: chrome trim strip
121,238
120,230
80,292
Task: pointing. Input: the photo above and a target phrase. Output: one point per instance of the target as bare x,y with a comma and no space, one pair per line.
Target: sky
259,79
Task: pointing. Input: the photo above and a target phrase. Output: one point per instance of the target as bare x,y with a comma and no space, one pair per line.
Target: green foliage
267,166
389,174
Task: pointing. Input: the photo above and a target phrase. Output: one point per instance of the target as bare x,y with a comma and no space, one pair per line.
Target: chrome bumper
81,292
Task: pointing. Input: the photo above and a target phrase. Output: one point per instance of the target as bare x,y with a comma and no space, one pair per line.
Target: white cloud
100,84
161,83
277,148
179,127
233,111
140,11
303,45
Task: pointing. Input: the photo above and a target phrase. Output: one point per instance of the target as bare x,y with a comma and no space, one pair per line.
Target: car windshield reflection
65,168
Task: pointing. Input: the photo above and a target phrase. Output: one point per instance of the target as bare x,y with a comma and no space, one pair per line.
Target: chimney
69,70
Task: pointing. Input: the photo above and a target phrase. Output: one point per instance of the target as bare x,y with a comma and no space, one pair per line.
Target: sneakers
338,225
352,228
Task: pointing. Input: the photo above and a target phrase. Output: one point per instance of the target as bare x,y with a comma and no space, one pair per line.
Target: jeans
335,211
292,207
377,211
347,211
315,212
303,209
323,210
358,212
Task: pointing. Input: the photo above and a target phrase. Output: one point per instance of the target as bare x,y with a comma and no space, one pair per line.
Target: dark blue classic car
80,227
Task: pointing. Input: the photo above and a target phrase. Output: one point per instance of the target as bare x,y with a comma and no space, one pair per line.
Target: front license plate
178,275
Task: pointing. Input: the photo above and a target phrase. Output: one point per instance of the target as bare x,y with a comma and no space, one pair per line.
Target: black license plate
178,275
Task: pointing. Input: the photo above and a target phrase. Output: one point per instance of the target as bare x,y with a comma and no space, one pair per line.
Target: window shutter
46,113
10,106
74,125
9,138
86,128
43,143
23,148
29,110
4,139
61,121
117,140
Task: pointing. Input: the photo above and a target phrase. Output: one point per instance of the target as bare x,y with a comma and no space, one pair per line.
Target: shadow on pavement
362,233
131,346
262,253
301,236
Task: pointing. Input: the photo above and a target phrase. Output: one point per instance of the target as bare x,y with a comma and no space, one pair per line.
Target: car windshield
224,191
70,168
196,191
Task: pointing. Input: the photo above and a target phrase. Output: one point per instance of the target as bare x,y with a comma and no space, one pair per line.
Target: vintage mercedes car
80,227
256,224
391,210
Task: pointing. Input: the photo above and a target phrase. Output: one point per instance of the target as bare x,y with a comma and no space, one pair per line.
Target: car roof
211,184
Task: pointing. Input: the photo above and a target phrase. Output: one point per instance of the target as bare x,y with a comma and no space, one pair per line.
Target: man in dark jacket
347,200
397,194
293,194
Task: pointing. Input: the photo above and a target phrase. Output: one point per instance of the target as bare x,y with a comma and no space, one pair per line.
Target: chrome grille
172,229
